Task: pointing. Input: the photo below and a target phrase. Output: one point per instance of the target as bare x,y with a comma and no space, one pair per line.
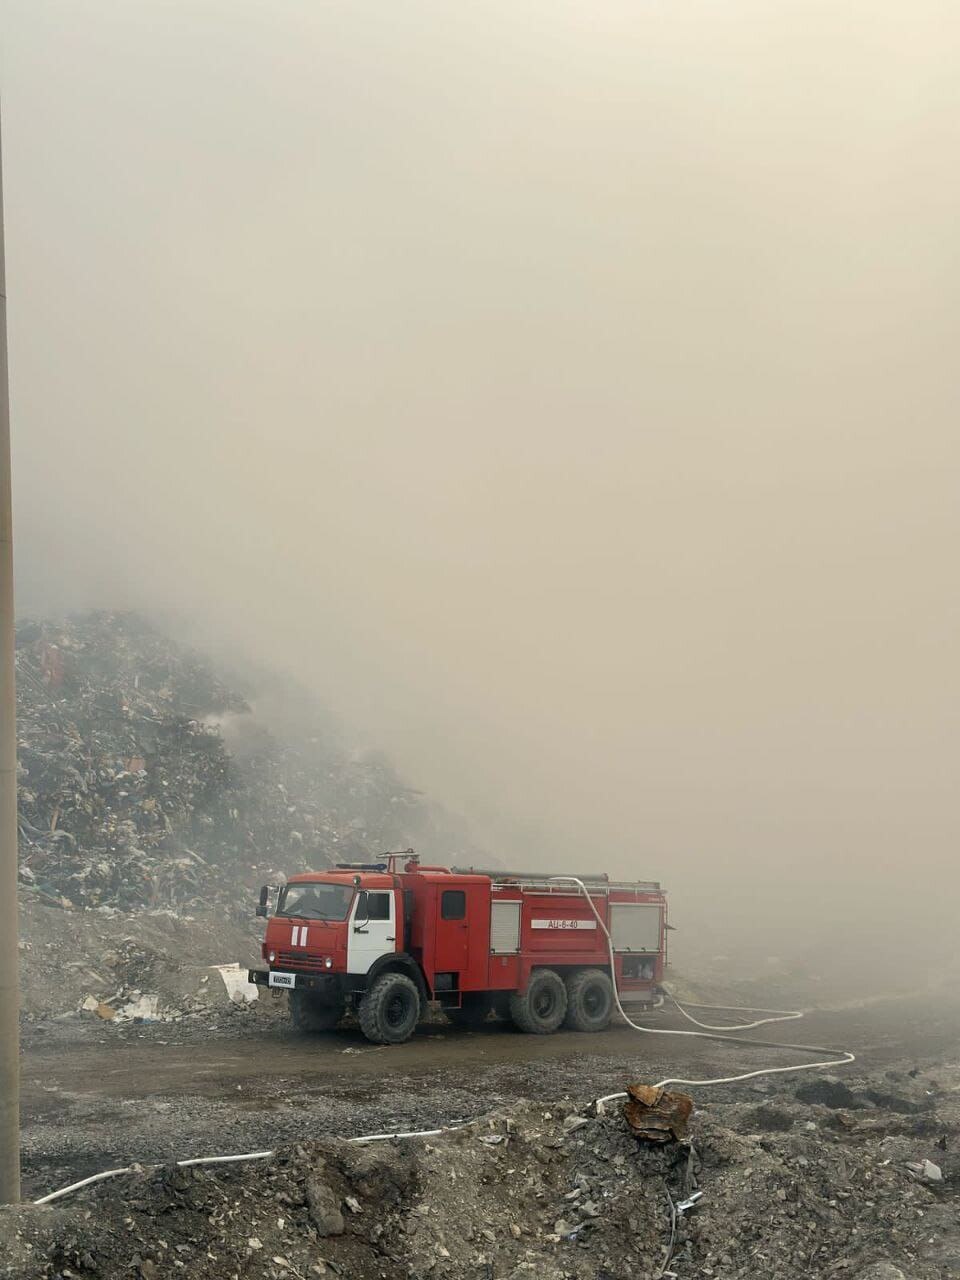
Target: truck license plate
282,980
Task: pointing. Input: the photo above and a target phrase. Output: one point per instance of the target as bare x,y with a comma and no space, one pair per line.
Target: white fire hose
840,1058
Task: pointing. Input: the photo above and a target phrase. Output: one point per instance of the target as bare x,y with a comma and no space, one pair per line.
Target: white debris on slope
238,988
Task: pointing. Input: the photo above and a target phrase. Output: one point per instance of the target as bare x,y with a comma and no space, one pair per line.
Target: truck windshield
315,901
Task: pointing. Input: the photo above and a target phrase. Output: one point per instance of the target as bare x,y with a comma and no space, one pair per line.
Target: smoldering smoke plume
563,392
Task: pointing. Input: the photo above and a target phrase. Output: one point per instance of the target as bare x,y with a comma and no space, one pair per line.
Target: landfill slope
787,1189
147,780
72,958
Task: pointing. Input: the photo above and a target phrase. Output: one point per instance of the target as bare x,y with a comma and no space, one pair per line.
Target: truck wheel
589,1000
390,1010
473,1012
307,1013
540,1010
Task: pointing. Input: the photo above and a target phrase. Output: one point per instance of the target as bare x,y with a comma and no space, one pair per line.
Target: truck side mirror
264,896
261,911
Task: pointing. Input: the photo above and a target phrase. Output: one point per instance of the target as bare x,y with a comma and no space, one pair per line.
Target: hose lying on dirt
248,1155
839,1057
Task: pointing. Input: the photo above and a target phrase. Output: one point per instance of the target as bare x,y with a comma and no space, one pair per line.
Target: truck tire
473,1012
390,1010
589,1000
541,1008
308,1014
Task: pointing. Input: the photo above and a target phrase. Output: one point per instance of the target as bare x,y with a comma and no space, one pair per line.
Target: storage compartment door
635,926
504,928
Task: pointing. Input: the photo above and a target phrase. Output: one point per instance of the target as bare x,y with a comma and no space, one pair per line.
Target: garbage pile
554,1192
147,782
150,992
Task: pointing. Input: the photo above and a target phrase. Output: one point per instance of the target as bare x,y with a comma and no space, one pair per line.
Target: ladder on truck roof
536,880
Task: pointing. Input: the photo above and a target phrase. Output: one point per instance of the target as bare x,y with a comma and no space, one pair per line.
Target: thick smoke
564,391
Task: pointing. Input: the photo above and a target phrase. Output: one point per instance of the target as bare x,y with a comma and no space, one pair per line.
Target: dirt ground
794,1183
98,1095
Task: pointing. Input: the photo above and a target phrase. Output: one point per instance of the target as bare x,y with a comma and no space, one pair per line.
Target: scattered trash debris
145,1008
92,1005
574,1122
689,1203
145,780
238,988
926,1170
657,1115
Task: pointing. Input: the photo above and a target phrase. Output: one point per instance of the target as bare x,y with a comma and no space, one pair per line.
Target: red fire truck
387,938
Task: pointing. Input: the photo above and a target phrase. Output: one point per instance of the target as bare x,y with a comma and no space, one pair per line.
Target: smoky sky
567,391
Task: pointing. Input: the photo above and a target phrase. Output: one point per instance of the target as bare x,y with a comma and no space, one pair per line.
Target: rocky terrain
821,1180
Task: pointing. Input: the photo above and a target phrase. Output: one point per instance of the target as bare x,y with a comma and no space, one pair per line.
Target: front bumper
329,985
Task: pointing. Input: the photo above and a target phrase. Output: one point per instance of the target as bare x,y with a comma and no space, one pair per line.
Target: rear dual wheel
541,1008
589,1000
583,1003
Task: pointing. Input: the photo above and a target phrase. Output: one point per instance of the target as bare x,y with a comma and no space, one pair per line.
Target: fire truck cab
385,939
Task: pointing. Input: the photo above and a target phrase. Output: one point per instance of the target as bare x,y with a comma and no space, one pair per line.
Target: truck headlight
271,957
328,963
